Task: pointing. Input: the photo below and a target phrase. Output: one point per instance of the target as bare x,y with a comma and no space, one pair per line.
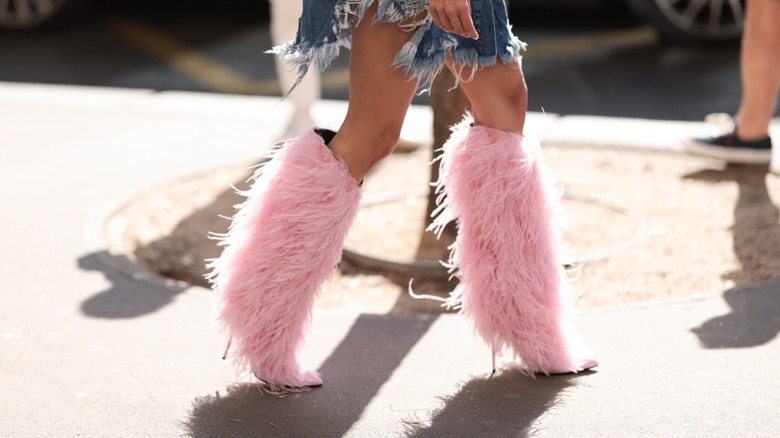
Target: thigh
379,93
379,96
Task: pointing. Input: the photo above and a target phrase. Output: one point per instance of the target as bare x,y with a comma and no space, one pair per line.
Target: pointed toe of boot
585,365
300,382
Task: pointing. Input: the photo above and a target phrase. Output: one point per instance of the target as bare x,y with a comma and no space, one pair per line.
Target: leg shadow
754,319
355,371
505,405
183,253
126,298
756,226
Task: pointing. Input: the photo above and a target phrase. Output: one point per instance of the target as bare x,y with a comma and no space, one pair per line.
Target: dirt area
642,226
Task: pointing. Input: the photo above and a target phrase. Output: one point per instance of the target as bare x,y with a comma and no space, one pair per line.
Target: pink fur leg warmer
285,241
512,286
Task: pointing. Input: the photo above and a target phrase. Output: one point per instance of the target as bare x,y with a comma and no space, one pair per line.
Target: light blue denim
326,25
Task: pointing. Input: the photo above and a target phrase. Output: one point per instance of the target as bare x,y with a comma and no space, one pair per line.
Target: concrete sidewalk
88,350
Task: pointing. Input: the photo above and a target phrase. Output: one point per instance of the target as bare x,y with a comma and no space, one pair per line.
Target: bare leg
760,67
498,95
379,97
268,245
495,183
284,22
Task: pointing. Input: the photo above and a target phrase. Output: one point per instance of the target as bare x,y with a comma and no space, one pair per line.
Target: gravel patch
643,226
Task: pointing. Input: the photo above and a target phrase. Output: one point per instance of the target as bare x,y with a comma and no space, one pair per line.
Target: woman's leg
287,238
511,285
379,96
498,95
760,65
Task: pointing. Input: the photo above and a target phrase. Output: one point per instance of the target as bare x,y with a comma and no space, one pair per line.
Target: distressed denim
326,25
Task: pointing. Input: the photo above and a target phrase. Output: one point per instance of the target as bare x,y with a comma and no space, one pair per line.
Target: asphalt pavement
92,347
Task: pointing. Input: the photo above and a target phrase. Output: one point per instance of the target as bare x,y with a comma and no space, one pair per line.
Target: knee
366,143
518,83
511,93
517,95
385,140
505,108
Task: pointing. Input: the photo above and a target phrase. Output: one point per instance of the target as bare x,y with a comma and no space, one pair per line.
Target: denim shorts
326,25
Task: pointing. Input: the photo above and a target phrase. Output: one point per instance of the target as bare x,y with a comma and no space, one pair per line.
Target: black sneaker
731,148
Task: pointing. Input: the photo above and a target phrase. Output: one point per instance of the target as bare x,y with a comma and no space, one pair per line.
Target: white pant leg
284,24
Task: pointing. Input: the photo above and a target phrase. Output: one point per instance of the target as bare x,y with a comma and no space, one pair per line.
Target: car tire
34,14
693,20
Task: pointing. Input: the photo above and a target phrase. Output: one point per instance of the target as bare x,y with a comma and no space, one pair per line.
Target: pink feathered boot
512,286
285,241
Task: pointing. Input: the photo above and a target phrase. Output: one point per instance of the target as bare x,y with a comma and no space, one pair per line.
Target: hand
453,16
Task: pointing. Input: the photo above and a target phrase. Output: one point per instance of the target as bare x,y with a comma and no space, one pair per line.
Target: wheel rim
714,19
28,13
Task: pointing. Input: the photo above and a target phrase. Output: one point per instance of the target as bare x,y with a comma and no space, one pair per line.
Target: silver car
678,20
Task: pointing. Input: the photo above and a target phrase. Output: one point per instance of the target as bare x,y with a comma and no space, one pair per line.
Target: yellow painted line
583,44
218,77
192,63
335,78
331,79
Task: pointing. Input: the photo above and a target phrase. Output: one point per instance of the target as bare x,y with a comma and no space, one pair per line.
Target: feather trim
284,242
512,286
411,16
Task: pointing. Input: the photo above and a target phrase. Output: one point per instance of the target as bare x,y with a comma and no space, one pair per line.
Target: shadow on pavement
190,240
755,317
125,298
353,374
505,405
756,226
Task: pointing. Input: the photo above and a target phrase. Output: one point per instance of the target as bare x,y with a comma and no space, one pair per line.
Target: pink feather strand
512,286
285,241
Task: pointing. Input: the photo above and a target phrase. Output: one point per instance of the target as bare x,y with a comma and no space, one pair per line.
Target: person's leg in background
760,69
750,142
284,23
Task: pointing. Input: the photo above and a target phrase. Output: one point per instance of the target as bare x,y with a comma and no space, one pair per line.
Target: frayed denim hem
320,37
428,67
